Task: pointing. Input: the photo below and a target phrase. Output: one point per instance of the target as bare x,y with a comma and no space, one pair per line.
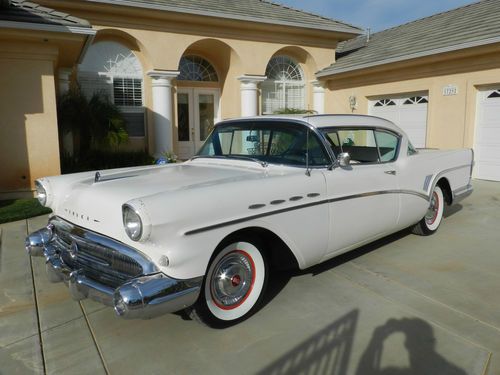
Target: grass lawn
18,209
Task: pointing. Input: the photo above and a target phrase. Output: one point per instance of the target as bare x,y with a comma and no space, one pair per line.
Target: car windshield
267,142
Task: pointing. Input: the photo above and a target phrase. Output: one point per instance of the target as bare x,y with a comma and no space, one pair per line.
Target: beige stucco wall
28,123
451,119
231,57
160,39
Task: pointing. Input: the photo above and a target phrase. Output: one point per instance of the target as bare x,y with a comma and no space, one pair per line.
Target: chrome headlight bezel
41,193
132,223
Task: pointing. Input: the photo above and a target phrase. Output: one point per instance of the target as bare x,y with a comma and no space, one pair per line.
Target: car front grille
97,262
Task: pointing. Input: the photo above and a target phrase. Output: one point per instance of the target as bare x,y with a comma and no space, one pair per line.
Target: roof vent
4,3
368,34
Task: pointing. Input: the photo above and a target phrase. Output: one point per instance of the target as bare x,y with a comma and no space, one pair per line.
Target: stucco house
174,67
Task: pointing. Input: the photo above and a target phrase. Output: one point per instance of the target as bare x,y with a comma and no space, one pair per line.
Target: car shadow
279,279
327,352
452,210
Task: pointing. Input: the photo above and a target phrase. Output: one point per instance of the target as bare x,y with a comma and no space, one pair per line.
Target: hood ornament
97,177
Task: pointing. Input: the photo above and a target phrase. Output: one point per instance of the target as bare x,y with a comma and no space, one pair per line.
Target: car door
363,197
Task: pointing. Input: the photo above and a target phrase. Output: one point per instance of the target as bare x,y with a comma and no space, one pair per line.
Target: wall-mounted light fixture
353,103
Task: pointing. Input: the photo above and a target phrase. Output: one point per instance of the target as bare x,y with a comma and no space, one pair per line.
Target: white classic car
262,193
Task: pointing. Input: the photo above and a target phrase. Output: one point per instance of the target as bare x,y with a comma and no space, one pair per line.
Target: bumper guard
143,297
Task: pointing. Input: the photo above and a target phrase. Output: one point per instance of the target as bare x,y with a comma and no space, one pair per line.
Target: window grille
127,91
195,68
284,86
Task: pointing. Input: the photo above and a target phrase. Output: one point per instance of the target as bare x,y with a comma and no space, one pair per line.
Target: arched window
195,68
113,69
284,87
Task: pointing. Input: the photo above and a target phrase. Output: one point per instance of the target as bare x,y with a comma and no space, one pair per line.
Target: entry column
250,94
318,97
162,109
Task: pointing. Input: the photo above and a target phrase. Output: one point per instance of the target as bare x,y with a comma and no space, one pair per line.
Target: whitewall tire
432,219
234,285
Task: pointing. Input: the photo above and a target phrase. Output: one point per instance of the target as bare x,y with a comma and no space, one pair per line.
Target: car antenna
308,170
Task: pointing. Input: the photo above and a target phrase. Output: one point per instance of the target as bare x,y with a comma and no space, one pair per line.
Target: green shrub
294,111
18,209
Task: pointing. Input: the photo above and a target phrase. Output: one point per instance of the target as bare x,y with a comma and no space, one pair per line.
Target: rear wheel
432,219
233,287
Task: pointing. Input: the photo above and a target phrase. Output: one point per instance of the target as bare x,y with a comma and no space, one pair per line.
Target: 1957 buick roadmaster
262,193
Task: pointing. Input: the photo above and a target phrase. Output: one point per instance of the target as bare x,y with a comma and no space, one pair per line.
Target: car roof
326,121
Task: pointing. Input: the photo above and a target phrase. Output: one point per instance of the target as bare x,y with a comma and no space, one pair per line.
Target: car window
387,145
272,142
359,143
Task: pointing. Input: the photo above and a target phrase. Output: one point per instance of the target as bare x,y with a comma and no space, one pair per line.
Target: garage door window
416,100
385,103
494,94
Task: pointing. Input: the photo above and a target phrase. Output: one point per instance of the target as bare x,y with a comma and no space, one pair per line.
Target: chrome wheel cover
433,210
232,280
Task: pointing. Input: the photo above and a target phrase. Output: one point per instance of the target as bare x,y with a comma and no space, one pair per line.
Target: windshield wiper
239,157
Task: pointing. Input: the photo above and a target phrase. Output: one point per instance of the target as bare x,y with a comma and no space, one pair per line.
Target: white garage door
487,139
409,113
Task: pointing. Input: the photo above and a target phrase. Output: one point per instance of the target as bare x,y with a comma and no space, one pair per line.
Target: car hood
97,205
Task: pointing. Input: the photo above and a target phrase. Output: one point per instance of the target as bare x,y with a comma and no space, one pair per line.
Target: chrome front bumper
141,297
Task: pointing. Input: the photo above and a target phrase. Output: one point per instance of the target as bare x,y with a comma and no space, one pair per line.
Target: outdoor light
132,223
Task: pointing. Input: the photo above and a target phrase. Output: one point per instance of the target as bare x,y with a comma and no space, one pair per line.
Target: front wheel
430,222
233,287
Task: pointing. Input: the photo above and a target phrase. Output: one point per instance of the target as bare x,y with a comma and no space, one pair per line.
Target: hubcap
432,211
232,280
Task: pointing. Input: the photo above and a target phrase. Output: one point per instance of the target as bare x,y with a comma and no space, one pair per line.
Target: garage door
409,113
487,138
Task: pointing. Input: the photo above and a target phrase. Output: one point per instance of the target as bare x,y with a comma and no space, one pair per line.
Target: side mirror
344,159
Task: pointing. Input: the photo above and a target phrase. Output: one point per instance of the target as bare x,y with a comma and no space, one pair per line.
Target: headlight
41,193
132,223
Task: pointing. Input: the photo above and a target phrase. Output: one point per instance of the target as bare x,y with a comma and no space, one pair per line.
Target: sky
375,14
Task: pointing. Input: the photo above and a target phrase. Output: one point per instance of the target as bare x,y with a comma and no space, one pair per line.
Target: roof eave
340,29
477,43
47,27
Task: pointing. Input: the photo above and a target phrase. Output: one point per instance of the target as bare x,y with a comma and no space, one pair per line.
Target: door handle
390,172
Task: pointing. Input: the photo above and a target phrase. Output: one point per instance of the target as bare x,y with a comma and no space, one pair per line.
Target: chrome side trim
440,174
302,206
461,193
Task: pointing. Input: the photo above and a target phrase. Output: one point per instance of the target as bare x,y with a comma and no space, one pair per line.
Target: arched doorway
198,96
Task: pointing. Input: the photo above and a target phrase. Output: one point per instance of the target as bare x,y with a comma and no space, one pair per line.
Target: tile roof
468,26
247,10
29,12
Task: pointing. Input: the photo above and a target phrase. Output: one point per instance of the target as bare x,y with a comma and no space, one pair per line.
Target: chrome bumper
142,297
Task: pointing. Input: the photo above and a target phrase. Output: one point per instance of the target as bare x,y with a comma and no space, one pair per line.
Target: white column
64,79
318,97
162,109
250,94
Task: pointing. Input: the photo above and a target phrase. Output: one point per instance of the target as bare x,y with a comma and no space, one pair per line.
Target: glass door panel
183,117
206,114
197,112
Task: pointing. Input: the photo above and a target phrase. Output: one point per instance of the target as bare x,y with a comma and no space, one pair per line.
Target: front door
364,198
197,112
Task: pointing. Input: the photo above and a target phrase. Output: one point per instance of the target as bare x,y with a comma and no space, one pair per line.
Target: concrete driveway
404,305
